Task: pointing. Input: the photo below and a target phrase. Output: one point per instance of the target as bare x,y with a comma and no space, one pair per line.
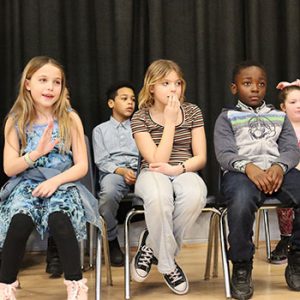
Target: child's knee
21,224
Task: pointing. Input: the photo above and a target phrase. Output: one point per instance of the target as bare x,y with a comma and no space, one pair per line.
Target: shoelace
77,286
175,276
146,256
242,276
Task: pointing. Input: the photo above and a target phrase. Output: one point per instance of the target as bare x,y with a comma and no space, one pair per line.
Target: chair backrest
89,179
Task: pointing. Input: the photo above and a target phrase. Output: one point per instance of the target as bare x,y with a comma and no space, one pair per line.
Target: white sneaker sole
134,275
178,292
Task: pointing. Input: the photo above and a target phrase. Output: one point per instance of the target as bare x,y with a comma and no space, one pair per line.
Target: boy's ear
233,88
111,103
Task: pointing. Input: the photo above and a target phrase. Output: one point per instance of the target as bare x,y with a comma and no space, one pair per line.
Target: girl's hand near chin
172,109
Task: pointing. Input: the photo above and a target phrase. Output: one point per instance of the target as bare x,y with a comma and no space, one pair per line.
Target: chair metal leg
81,248
98,266
127,270
223,241
91,251
216,245
210,244
130,214
267,233
257,228
106,252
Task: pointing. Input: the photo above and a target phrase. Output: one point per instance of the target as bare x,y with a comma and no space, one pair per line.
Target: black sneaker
292,271
141,263
279,254
177,281
241,281
115,253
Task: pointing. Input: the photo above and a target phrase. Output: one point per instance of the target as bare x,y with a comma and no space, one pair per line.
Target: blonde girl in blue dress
45,156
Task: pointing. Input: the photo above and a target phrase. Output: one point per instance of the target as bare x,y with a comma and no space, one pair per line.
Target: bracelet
28,160
183,167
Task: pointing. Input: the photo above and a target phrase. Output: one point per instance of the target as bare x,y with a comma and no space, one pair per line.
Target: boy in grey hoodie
257,149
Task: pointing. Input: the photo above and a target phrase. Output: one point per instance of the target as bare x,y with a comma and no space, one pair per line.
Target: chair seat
271,201
215,202
129,202
212,202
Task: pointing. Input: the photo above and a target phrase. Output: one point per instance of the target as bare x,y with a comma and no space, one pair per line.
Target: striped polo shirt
182,145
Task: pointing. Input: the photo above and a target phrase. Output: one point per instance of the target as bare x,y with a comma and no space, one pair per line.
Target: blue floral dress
21,200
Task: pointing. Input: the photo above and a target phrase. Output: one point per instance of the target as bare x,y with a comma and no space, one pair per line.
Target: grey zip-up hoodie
262,136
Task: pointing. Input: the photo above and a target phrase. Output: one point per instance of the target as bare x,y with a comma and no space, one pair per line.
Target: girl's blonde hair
23,111
155,72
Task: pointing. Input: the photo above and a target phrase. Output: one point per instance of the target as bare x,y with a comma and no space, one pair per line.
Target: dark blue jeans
243,199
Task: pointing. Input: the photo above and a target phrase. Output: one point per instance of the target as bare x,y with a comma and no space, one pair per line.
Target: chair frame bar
98,266
129,216
217,220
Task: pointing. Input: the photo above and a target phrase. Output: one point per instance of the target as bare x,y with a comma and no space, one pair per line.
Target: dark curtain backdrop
100,41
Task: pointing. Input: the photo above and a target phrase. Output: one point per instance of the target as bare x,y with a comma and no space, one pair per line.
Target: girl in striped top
170,136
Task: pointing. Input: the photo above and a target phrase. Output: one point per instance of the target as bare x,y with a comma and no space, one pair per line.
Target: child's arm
128,174
102,156
289,153
161,152
225,144
149,151
79,168
276,172
196,163
263,180
14,163
103,159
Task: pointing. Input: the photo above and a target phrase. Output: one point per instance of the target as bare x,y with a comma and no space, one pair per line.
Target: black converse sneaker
141,263
177,281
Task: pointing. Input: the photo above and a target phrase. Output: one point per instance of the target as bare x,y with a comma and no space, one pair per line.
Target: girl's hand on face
46,188
172,109
46,144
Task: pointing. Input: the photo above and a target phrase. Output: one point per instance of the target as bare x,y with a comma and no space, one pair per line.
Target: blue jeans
113,189
243,199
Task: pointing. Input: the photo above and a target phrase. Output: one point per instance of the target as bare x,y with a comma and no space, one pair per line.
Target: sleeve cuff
240,165
283,166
